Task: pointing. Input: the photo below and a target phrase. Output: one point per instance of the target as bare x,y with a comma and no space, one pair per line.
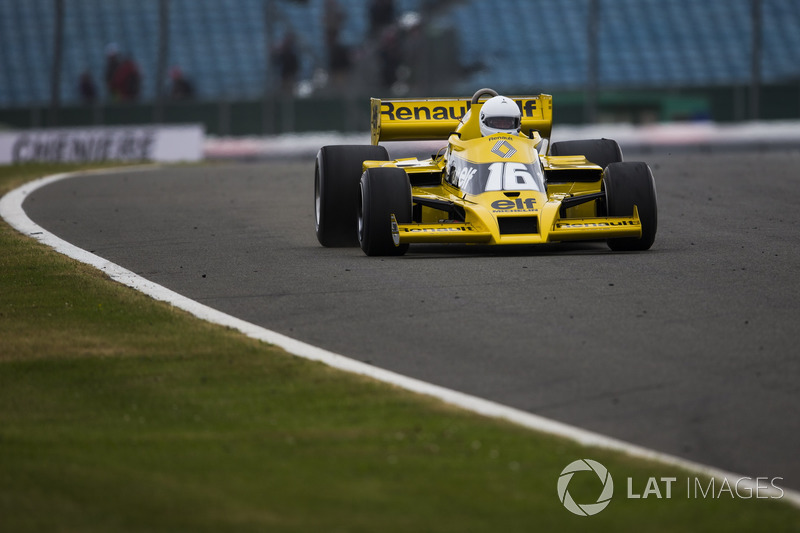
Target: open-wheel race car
498,181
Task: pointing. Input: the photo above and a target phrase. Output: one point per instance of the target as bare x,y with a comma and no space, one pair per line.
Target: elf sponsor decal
517,205
464,176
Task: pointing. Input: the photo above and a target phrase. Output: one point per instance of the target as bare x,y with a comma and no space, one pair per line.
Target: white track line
11,210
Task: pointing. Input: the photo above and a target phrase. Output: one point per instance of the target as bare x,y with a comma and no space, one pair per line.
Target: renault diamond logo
504,149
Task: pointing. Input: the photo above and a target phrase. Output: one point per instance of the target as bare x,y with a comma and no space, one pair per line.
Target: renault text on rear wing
432,119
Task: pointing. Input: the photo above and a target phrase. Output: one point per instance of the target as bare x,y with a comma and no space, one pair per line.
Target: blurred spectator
182,88
339,60
285,56
112,64
390,53
126,81
87,88
339,63
333,17
381,15
413,52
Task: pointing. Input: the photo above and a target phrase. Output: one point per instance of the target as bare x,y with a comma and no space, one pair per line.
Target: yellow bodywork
521,199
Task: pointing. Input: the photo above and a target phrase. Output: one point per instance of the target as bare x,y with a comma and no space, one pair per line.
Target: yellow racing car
498,181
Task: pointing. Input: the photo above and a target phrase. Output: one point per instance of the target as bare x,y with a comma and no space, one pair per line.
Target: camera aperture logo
697,487
585,509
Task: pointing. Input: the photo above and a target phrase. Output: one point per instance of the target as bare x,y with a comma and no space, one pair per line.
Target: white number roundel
510,177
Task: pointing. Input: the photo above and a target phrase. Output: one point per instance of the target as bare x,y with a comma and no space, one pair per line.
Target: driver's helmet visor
502,123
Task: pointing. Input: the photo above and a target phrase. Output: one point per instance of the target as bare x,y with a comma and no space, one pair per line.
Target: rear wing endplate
433,119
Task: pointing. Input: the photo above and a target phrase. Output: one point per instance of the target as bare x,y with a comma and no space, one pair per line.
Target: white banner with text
108,143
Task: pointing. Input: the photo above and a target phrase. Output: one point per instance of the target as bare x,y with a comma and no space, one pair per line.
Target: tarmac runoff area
684,353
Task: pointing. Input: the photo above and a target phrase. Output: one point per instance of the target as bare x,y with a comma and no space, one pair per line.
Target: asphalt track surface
689,349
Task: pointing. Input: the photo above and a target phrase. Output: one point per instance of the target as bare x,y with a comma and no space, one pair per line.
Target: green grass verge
119,413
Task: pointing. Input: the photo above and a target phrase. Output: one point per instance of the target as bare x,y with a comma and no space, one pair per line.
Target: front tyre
628,184
336,178
384,192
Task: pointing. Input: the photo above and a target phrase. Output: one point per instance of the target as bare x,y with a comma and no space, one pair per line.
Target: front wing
554,230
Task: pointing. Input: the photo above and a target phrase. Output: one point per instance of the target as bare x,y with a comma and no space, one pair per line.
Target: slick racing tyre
601,152
384,192
626,185
336,197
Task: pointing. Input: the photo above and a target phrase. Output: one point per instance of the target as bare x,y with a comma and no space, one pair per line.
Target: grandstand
219,43
512,45
642,43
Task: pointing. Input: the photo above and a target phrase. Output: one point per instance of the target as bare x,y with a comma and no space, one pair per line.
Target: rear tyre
626,185
336,197
384,192
601,152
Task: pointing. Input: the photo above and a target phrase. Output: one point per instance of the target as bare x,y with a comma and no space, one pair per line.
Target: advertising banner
91,144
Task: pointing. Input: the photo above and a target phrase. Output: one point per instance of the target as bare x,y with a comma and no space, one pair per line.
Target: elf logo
518,204
526,107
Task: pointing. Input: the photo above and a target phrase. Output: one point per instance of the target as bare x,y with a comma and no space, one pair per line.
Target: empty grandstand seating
512,45
520,45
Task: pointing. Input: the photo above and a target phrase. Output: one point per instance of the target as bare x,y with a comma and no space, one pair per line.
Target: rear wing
436,118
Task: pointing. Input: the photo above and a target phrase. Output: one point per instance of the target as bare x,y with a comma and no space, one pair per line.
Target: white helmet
500,115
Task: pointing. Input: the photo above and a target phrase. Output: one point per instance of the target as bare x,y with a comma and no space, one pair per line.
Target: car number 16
511,177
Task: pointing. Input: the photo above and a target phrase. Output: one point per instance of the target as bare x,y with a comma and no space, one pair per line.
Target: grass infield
120,413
